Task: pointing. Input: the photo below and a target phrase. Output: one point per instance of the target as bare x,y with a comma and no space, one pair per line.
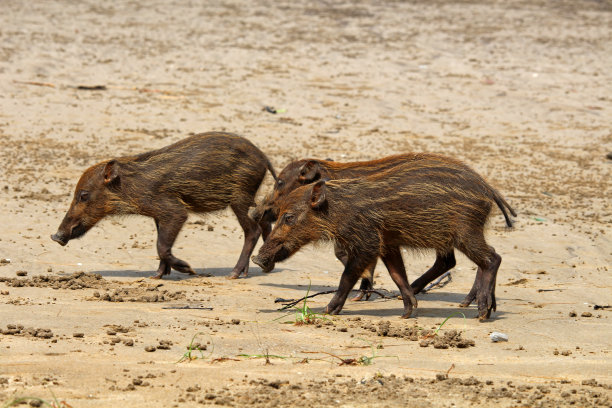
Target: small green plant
369,360
191,348
445,320
304,314
363,360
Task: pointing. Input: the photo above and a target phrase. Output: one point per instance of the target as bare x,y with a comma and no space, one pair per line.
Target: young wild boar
433,203
199,174
306,171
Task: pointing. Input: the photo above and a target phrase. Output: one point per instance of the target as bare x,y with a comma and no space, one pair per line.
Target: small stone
35,402
21,273
586,314
235,321
137,381
150,349
128,342
78,335
572,314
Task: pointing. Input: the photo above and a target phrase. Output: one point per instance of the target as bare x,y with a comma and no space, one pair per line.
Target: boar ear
111,172
310,172
317,198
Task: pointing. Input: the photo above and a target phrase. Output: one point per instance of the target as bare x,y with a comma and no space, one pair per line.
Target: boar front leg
352,271
367,277
395,265
167,231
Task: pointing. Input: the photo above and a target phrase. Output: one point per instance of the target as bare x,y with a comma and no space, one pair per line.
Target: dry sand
520,90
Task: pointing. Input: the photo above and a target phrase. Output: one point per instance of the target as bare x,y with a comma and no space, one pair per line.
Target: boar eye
289,219
84,196
280,183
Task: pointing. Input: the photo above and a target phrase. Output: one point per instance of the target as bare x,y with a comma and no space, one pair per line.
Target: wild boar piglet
202,173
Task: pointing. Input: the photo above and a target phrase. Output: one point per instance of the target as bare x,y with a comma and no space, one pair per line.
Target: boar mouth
75,232
282,254
78,231
267,263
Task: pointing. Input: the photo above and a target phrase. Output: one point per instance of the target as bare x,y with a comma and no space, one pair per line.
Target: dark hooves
360,296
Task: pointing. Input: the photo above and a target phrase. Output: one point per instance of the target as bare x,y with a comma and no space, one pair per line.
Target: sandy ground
518,90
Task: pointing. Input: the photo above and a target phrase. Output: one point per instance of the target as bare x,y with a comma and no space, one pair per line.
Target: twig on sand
343,361
288,303
163,92
36,83
196,307
292,303
439,282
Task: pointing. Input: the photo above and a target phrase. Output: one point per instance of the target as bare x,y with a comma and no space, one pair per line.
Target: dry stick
344,361
438,282
295,302
327,292
102,87
50,85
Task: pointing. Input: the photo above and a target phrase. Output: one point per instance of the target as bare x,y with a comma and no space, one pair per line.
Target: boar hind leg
488,262
252,232
444,263
167,232
395,265
367,283
471,296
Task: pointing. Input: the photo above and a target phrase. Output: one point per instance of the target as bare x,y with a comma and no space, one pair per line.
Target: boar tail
271,169
503,205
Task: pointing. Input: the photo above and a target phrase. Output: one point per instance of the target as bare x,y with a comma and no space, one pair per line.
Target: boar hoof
237,272
333,310
467,301
407,314
360,296
484,316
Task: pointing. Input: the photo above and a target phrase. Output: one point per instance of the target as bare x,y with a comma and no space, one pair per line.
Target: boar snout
264,264
59,238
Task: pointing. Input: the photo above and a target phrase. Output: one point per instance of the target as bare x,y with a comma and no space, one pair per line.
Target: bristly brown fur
202,173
